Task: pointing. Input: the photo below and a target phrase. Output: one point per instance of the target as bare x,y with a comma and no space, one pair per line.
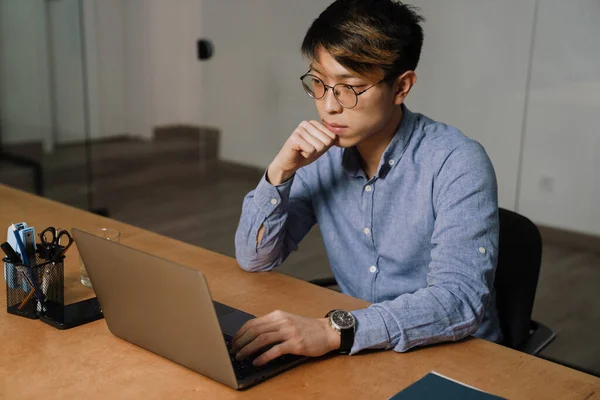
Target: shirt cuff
269,198
371,332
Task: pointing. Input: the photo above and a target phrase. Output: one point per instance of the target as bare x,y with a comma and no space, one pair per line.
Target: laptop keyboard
244,368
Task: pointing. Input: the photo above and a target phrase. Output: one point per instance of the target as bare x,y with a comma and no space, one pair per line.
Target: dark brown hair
378,39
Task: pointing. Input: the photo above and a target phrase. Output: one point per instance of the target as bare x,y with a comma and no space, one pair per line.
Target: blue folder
433,386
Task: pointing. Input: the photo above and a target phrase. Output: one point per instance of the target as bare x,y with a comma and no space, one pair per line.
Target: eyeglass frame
327,87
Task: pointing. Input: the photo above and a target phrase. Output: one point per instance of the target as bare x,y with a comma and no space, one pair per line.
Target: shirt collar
392,154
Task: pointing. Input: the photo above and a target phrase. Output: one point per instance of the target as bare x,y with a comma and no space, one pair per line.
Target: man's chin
345,143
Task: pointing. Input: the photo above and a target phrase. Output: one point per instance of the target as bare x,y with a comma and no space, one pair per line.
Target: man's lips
335,128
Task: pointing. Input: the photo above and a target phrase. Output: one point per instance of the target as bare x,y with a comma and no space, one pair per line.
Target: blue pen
10,273
23,252
21,247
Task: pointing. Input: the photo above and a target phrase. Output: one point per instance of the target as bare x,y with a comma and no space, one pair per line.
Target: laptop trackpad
230,319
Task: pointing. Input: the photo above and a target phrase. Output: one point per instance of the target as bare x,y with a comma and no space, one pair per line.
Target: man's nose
332,106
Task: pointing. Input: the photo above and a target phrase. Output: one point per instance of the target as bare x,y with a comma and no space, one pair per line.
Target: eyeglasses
346,95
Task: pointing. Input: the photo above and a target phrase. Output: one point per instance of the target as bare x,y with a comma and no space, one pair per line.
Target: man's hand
291,334
309,141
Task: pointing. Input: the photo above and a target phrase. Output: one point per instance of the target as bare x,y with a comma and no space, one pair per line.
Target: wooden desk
88,362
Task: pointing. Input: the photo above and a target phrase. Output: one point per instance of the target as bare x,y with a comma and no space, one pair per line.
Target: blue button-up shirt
419,239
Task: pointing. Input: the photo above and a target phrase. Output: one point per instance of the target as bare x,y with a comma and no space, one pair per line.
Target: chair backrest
519,261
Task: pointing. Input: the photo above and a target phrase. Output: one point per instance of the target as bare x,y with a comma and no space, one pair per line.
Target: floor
162,186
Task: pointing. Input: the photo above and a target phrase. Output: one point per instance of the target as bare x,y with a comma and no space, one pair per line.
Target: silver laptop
167,309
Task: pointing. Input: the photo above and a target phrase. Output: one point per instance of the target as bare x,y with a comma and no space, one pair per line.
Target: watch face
343,319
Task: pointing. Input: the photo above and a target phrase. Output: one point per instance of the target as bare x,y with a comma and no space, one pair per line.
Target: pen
31,293
21,247
30,264
11,255
12,258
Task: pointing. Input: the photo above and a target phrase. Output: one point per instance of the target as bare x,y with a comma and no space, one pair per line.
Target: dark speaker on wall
205,49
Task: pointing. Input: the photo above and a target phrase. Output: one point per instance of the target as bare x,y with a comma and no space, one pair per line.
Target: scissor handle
44,238
60,235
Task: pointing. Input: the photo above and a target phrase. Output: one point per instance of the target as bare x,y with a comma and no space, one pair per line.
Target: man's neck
371,150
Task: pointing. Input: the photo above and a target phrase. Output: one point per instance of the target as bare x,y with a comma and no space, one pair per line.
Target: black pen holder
30,290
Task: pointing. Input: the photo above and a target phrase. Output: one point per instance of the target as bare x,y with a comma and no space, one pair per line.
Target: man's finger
319,145
260,342
273,353
323,129
268,319
265,319
252,333
304,147
328,138
253,322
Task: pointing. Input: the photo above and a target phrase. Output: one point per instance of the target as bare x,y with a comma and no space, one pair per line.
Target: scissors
53,243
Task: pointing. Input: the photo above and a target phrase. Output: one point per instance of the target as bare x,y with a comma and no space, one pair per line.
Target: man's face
352,125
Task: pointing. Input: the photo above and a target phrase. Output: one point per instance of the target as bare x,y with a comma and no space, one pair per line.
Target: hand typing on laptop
289,333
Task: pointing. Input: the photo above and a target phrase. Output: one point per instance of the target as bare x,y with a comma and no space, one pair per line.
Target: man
407,206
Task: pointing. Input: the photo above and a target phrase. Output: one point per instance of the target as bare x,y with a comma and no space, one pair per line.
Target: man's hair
369,37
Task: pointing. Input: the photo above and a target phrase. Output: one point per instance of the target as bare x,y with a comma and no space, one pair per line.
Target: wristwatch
345,325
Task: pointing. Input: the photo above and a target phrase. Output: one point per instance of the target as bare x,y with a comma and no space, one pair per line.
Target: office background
176,142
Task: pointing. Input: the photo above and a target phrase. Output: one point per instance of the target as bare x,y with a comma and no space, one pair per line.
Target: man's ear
402,86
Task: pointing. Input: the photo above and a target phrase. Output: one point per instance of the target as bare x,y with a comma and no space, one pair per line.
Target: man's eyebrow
313,68
340,76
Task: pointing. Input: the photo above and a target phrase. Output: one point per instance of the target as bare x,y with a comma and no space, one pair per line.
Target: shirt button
482,250
274,201
391,162
373,269
366,231
368,188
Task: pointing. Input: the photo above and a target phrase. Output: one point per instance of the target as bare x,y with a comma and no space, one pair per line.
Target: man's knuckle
263,339
268,337
297,346
276,351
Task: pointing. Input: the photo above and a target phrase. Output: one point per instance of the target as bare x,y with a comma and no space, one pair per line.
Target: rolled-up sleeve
464,252
287,215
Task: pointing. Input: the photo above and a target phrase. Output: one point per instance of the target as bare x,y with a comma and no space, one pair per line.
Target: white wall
105,44
163,77
41,70
473,75
67,70
561,169
24,101
147,71
141,66
137,46
252,91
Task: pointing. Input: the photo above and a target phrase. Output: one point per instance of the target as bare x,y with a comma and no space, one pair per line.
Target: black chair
519,262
